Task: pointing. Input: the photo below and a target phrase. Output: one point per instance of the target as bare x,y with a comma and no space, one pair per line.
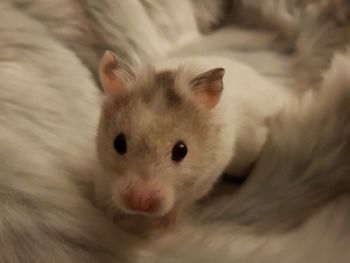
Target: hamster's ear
114,74
208,86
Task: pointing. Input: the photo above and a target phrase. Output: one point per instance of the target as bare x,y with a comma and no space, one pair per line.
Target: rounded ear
208,86
114,74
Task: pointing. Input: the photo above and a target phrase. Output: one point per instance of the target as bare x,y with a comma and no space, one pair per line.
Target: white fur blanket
289,209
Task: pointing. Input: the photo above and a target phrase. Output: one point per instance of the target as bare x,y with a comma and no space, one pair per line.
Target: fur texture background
293,208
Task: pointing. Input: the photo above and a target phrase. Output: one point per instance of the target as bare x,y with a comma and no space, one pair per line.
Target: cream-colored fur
227,138
248,101
49,104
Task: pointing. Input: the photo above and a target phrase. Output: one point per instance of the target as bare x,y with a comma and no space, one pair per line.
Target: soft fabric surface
289,210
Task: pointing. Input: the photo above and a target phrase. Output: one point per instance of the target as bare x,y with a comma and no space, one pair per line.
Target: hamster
168,131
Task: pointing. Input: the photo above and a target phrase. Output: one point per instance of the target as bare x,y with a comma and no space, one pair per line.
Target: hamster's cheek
118,188
193,189
168,197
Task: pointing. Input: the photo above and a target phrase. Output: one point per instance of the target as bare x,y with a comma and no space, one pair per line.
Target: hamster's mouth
124,211
145,226
142,214
122,218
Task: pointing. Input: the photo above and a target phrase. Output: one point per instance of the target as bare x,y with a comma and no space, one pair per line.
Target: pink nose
144,202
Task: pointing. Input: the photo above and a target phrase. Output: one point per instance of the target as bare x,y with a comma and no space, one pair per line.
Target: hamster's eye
120,144
179,151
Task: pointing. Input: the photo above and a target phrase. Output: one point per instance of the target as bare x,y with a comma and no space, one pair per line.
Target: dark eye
120,144
179,151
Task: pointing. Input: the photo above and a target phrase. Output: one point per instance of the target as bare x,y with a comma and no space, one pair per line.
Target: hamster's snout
135,195
143,201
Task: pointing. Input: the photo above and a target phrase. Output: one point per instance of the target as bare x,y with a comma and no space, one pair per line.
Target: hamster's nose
147,202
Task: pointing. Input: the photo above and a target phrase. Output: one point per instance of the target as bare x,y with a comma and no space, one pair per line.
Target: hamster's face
157,148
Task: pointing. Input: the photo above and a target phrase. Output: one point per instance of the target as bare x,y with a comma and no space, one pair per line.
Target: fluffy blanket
294,206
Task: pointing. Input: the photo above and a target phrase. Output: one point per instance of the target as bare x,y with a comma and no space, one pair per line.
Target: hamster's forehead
154,105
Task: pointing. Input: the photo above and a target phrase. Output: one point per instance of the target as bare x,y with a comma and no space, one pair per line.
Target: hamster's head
157,139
